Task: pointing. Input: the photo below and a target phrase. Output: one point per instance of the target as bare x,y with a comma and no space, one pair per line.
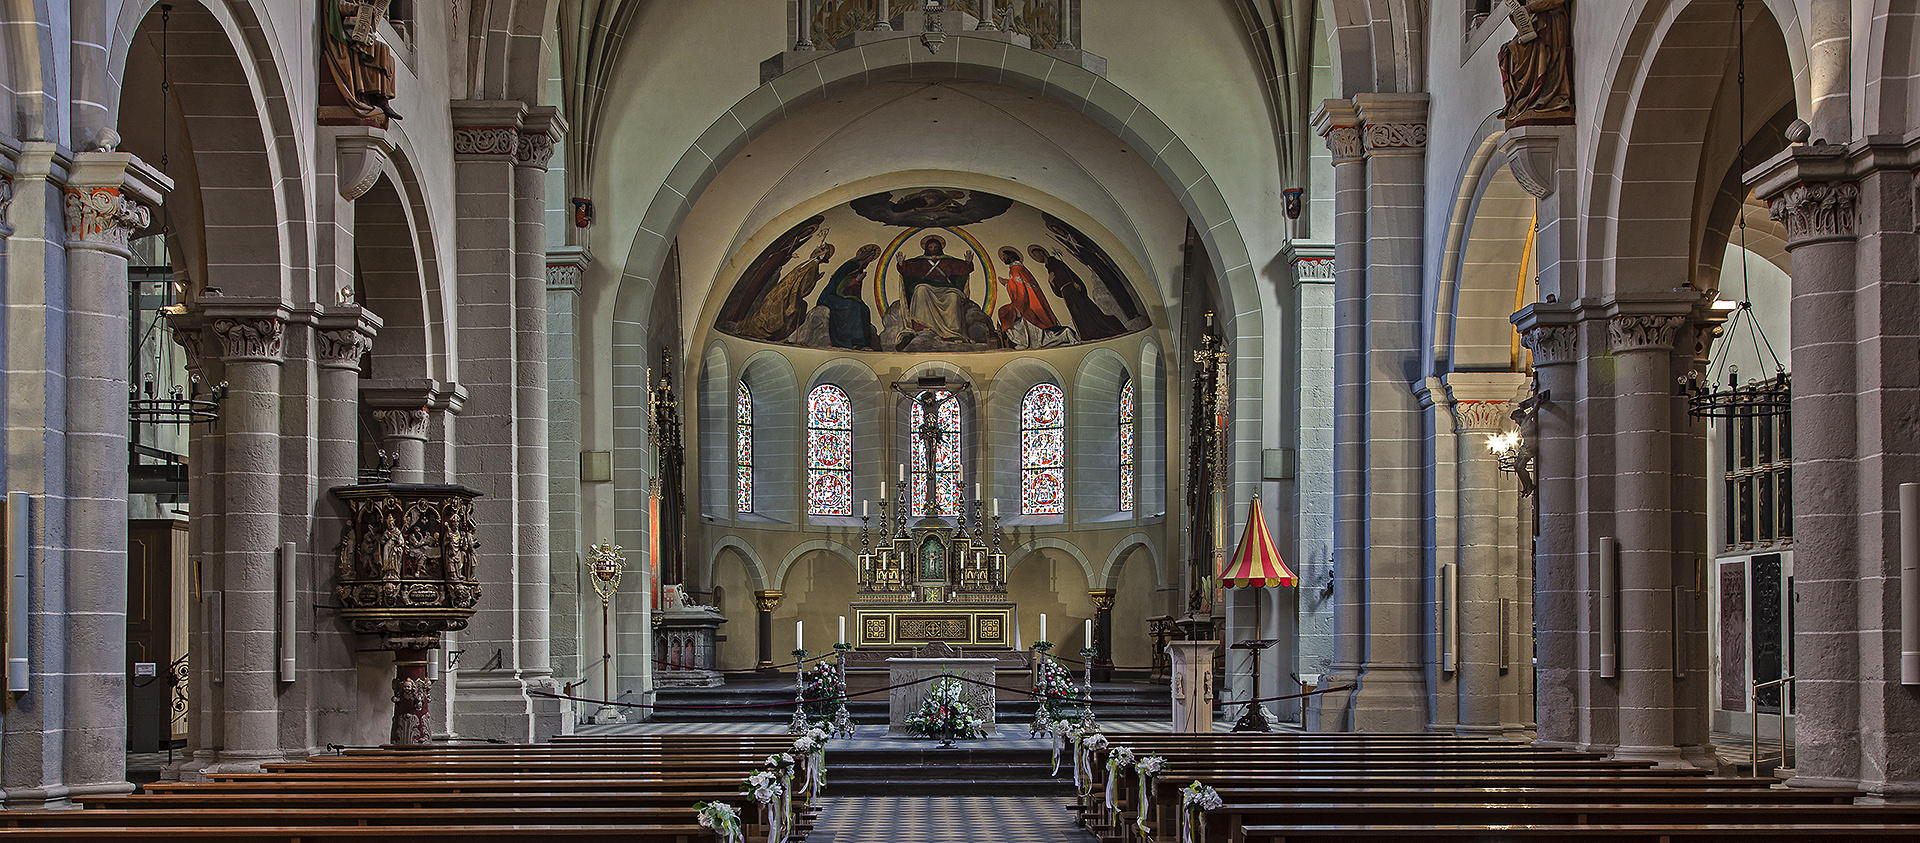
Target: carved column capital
1481,416
1643,333
1102,598
1816,211
101,216
1339,123
767,601
1550,343
534,149
341,348
402,424
250,337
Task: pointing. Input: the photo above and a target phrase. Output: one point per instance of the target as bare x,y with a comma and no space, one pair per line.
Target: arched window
1043,451
743,448
1126,445
946,457
829,451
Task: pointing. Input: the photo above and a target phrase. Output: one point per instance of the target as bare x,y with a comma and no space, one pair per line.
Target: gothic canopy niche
932,269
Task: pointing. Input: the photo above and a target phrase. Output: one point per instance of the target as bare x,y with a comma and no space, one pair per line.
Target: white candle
1087,633
796,637
976,491
1043,626
843,629
883,492
996,507
863,507
903,472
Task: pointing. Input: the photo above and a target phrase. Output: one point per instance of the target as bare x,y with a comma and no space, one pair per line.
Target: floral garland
1195,801
767,787
946,714
723,819
1146,768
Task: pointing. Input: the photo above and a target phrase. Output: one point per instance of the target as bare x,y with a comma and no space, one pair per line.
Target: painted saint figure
1089,320
784,307
935,284
761,274
849,320
1027,320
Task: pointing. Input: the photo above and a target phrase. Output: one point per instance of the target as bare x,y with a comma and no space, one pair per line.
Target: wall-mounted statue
934,286
360,67
1536,67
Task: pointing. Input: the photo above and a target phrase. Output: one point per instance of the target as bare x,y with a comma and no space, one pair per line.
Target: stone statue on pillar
358,65
1536,67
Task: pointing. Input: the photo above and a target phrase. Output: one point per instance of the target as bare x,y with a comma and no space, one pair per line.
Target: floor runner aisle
946,819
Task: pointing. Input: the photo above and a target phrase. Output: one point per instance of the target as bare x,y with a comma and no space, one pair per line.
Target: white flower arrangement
1198,796
723,819
946,714
765,786
1120,757
1146,768
1150,765
805,745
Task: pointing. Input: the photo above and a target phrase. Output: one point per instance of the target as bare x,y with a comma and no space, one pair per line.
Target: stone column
766,602
1339,123
564,477
403,436
1558,585
343,335
104,196
1392,693
540,130
251,333
406,412
1812,191
1642,346
1478,572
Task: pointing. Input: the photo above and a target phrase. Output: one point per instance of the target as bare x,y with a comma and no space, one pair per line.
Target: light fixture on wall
1505,448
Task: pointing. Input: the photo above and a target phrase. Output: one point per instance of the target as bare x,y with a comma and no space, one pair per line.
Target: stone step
924,769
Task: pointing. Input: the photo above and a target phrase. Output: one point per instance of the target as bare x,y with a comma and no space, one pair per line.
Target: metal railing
1785,683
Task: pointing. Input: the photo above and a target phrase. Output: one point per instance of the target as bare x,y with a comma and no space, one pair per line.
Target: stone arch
1109,575
1023,552
1238,288
1485,260
432,266
1662,60
505,40
831,548
1093,444
756,567
247,233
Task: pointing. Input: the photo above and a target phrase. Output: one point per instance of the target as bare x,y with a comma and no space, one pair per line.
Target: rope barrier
911,683
1286,696
665,663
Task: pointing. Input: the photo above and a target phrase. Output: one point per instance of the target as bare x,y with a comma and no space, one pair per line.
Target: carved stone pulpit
406,572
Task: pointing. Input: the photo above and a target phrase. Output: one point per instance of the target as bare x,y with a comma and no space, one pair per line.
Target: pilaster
1560,595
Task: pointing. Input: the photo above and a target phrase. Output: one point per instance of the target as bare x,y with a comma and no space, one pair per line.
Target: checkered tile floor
946,819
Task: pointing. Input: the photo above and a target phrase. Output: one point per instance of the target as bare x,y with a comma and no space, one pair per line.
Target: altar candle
863,507
843,629
1088,633
1043,626
903,472
996,507
883,492
976,491
796,637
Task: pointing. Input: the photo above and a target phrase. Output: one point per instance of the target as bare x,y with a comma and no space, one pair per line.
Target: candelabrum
606,563
1087,655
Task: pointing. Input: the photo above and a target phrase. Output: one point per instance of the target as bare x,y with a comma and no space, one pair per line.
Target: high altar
937,581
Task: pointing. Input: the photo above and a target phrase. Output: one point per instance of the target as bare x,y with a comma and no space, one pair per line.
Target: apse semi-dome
934,269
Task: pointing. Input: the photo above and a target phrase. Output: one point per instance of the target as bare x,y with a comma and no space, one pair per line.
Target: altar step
925,770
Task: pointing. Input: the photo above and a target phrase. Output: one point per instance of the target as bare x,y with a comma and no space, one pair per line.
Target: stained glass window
1126,445
829,451
743,448
946,457
1043,451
